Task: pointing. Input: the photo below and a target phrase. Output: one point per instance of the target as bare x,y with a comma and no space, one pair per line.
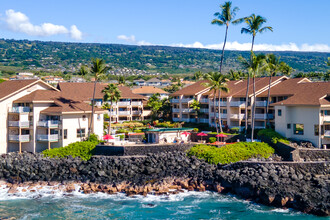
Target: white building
35,116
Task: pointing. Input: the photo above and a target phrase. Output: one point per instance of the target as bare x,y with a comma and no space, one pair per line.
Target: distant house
165,82
23,76
139,82
153,82
148,91
77,79
53,79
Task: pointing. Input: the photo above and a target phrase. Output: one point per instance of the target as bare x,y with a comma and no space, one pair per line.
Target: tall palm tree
196,106
226,17
198,75
254,25
254,66
98,70
286,69
217,83
83,71
111,94
273,66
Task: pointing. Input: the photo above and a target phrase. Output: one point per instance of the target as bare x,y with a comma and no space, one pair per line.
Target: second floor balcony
136,103
19,124
48,137
186,100
204,120
237,116
237,103
19,138
204,110
19,109
327,133
49,124
261,103
175,100
124,112
136,112
124,103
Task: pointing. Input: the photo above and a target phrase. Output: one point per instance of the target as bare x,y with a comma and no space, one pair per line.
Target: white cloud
19,22
259,47
131,39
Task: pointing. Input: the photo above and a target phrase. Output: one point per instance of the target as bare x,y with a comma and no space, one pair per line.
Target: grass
231,153
273,136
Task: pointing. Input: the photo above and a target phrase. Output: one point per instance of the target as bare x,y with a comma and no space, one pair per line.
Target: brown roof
40,95
9,87
284,88
84,91
148,90
192,89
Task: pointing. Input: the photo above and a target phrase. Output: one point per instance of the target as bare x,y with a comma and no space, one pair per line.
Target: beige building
36,116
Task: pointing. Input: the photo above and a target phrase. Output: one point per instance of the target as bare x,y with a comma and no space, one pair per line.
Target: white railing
185,110
237,116
222,103
327,134
124,112
326,118
124,103
136,103
175,110
260,116
186,100
204,100
237,103
136,112
261,103
21,124
204,120
21,138
175,100
113,113
48,124
47,137
205,110
223,115
19,109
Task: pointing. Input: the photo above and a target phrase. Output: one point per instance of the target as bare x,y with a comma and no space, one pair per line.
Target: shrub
273,136
196,130
231,153
137,131
234,130
122,137
212,139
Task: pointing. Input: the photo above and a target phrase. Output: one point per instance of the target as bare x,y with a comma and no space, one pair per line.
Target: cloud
259,47
19,22
131,39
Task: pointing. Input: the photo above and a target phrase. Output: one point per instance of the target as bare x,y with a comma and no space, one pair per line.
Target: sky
299,25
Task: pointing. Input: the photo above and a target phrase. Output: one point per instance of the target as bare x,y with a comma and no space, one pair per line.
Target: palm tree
254,26
198,75
273,66
232,75
98,69
216,82
226,17
83,71
121,80
286,69
254,67
196,106
111,94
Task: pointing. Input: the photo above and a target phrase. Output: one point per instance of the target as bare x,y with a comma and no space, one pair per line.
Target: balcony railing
20,124
136,103
327,134
20,138
113,113
223,115
186,100
175,100
204,100
48,124
205,110
19,109
261,103
124,113
176,119
185,110
124,103
237,116
260,116
237,103
222,103
136,112
204,120
175,110
47,137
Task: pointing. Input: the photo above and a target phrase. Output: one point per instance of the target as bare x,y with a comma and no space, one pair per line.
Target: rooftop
149,90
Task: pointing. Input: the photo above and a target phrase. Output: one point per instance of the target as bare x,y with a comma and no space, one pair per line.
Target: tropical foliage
111,94
273,136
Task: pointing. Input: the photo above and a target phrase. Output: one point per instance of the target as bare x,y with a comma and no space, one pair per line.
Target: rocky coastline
302,186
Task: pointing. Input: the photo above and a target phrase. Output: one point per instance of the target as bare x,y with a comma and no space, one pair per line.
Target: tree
172,88
83,71
198,75
254,25
112,94
232,75
196,106
98,70
217,83
155,103
166,109
286,69
121,80
254,66
226,17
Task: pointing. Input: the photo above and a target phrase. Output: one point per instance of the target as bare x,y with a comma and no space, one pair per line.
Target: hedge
231,153
273,136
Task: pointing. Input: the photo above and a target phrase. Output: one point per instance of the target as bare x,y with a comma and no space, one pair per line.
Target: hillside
57,56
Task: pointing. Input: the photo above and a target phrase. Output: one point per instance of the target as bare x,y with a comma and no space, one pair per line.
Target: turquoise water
189,205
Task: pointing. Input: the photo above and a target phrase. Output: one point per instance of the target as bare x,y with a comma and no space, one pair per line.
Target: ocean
47,204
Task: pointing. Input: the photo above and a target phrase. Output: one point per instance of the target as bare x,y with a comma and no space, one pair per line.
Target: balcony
205,110
19,124
327,134
260,116
176,119
48,124
223,115
204,120
175,100
113,113
222,103
136,103
261,103
19,109
326,119
186,110
237,116
237,104
176,110
186,100
124,113
47,137
136,112
124,103
19,138
204,100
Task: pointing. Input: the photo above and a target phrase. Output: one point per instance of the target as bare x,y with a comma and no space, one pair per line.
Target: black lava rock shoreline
302,186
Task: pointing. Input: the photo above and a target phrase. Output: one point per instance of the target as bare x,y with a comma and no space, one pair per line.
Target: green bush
231,153
82,149
196,130
212,139
137,131
234,130
273,136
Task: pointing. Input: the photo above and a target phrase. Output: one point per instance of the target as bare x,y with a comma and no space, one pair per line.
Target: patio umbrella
221,135
201,134
186,133
108,137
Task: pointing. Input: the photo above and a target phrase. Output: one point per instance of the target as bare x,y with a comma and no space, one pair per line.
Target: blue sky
298,24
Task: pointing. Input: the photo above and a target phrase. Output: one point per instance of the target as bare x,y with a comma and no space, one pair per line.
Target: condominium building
299,109
148,91
130,106
35,116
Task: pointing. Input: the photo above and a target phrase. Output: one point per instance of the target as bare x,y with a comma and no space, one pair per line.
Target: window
81,133
279,112
288,126
316,130
65,133
298,129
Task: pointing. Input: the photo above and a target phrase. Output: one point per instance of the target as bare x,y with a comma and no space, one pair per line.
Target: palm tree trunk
214,111
267,104
223,48
91,122
247,104
109,128
219,112
253,107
